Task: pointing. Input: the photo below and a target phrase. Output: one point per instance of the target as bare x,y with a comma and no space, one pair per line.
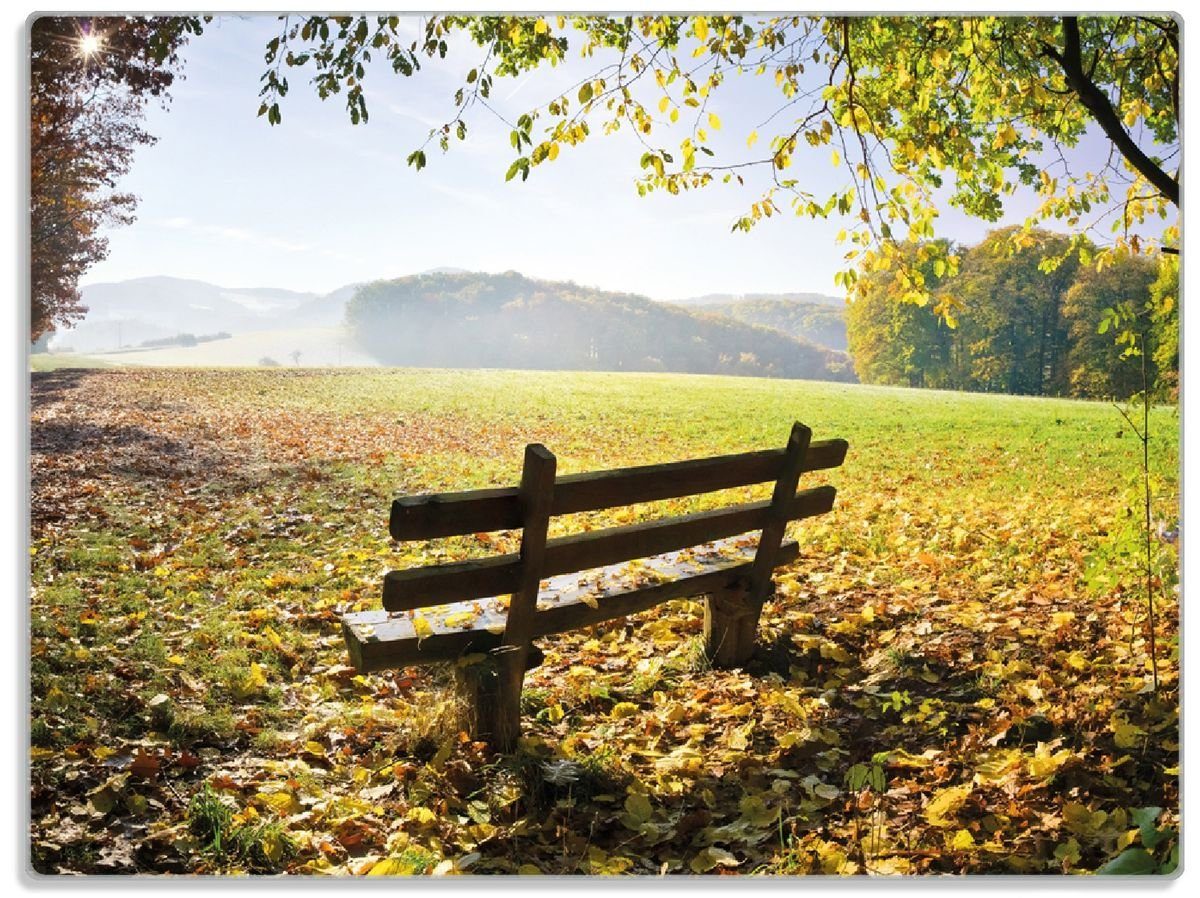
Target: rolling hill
816,322
511,321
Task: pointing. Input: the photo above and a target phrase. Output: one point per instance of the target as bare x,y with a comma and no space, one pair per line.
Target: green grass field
951,625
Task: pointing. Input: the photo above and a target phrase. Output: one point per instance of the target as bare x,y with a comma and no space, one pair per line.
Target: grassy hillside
52,361
317,347
197,534
510,321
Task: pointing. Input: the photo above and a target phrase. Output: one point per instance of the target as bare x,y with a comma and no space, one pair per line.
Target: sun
89,45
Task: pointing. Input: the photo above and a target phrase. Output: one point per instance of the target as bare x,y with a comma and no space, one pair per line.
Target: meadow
955,676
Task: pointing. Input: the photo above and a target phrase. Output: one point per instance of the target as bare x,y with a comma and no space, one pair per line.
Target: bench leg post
477,688
730,627
492,699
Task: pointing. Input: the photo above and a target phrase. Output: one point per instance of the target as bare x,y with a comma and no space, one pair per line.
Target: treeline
184,340
816,322
510,321
1021,328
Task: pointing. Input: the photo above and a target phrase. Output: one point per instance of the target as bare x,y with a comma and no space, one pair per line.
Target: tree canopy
917,111
1024,330
90,81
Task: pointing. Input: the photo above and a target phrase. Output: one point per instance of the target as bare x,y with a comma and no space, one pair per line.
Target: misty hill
723,299
131,312
816,322
511,321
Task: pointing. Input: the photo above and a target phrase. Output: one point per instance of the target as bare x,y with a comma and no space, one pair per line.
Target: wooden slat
425,586
569,617
780,509
420,587
537,491
377,640
477,511
731,631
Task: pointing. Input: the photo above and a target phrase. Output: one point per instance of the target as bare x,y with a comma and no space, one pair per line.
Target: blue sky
316,202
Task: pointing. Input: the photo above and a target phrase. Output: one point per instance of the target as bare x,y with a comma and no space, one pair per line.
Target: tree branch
1094,100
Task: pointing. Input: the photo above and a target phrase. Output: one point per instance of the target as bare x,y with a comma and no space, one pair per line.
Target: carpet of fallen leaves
935,689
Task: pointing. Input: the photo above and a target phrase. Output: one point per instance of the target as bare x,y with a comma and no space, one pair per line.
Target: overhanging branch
1096,102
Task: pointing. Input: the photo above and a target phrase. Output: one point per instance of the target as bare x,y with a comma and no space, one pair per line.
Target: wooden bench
686,556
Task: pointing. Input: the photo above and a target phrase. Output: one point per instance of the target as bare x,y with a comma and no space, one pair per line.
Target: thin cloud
239,235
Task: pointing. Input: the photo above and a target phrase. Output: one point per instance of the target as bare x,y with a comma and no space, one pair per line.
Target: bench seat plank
381,640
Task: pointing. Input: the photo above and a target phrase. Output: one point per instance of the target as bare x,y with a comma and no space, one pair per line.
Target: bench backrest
543,495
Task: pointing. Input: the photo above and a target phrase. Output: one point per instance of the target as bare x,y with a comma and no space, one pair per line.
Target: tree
1094,368
90,81
902,343
1024,329
914,107
1014,328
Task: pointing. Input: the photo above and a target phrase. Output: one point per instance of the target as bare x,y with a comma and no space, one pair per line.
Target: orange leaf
144,765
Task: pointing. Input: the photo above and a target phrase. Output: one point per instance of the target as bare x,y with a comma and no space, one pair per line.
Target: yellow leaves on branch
1005,136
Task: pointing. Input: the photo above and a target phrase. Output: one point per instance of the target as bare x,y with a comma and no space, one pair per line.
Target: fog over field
448,317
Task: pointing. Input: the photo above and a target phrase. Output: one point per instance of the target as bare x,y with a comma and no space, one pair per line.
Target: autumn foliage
949,678
90,81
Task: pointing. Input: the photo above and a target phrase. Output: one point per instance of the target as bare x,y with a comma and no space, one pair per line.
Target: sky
317,203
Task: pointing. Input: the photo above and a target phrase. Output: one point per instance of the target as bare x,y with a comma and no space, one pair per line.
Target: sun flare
89,45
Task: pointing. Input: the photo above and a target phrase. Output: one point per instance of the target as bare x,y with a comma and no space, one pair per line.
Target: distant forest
511,321
1022,329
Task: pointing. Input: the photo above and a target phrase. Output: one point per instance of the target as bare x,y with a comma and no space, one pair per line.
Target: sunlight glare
89,45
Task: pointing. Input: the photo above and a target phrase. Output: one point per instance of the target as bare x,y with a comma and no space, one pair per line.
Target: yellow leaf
637,805
1060,619
272,844
756,812
624,709
282,801
252,683
1005,136
461,619
421,816
962,841
701,28
712,857
421,626
1125,734
752,139
391,867
1044,764
663,104
55,698
997,766
945,803
739,740
1082,821
540,26
837,158
714,122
